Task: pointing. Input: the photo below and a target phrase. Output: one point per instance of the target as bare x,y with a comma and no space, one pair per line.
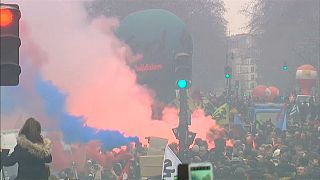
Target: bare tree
286,31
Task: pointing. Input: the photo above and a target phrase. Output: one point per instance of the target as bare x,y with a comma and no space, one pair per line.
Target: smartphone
183,173
5,151
200,171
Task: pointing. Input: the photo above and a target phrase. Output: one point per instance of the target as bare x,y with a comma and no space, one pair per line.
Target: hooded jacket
31,158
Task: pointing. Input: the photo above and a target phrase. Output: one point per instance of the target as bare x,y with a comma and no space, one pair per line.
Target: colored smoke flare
215,132
229,143
94,102
204,126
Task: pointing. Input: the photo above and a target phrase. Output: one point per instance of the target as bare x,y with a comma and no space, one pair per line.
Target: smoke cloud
75,80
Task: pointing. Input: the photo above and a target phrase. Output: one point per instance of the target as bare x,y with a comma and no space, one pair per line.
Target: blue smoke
16,97
73,127
10,95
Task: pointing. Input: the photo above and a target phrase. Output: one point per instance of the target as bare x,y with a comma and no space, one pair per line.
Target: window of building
252,69
238,69
242,69
252,77
252,85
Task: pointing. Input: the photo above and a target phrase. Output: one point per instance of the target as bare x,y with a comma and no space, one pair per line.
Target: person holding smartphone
32,152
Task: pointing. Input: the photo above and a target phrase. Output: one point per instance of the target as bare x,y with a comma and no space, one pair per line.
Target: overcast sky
235,20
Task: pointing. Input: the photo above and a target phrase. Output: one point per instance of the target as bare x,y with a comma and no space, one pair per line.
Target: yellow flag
221,115
192,106
234,111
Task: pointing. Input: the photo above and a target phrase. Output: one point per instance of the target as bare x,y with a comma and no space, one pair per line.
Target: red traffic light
6,17
10,44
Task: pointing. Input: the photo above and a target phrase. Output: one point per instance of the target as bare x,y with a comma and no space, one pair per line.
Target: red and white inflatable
259,91
274,93
306,76
263,92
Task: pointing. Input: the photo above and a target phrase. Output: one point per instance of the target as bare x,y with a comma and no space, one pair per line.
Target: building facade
243,62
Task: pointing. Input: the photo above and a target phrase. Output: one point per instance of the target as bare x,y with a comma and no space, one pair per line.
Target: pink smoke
85,61
202,125
32,58
88,63
64,155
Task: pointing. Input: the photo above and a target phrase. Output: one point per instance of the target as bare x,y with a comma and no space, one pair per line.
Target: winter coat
31,158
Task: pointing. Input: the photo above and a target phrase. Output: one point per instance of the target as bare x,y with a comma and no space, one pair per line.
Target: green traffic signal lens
182,83
285,68
227,76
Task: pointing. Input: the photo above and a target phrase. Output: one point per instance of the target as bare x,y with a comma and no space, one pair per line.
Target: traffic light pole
318,81
228,76
229,87
184,121
183,76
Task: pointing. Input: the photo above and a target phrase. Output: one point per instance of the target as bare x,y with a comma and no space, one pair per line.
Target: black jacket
31,158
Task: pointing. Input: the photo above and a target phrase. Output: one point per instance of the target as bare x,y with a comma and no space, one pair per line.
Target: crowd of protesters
268,152
125,165
293,154
265,153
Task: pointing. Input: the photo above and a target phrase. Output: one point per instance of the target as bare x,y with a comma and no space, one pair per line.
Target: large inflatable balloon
306,76
158,35
259,91
274,93
265,93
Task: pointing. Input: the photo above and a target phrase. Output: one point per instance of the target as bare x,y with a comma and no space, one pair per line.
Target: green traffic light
182,83
285,67
227,76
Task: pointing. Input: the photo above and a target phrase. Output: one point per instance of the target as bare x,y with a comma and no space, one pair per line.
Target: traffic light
9,44
228,75
285,67
182,83
227,72
183,70
282,98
